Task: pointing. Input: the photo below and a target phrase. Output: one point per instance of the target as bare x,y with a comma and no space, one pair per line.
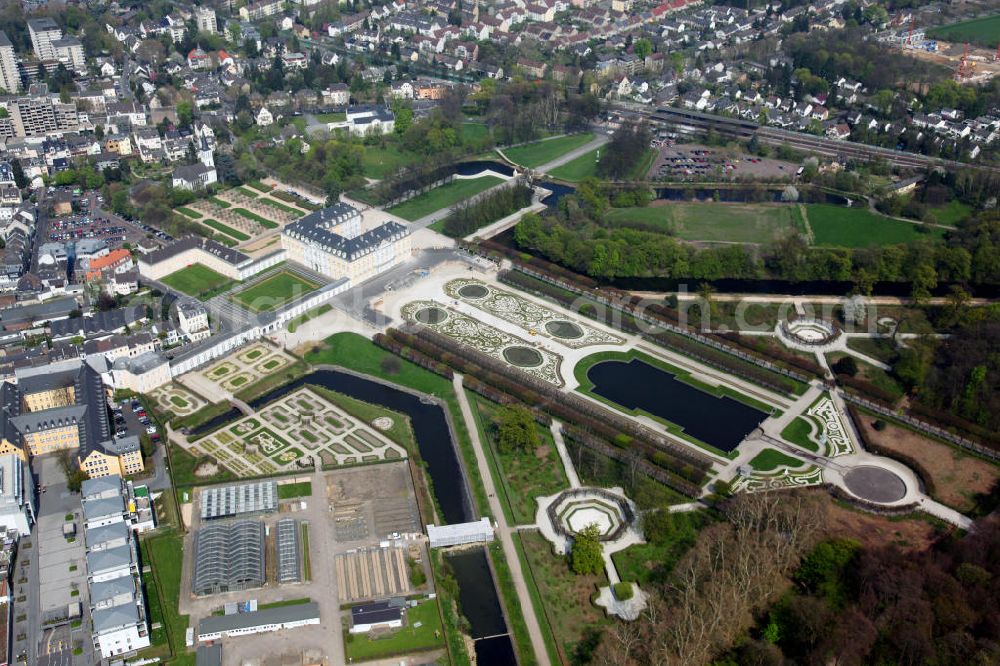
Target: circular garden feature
566,330
576,509
473,291
522,357
875,484
431,315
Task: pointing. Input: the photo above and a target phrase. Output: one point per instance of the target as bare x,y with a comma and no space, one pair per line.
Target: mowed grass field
225,228
274,292
710,221
578,168
443,197
983,31
381,162
542,152
197,280
859,227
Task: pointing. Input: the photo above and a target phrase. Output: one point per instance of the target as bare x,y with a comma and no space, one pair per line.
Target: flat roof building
270,619
460,533
239,499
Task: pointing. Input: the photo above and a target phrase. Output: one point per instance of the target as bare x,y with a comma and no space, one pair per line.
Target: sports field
197,280
443,197
710,221
859,227
983,31
274,292
542,152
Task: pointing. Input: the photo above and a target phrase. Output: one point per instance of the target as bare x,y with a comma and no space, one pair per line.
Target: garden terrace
731,362
677,458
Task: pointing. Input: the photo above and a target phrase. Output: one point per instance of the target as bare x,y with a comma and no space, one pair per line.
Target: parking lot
697,162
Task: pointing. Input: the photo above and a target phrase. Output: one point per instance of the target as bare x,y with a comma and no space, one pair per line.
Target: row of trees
625,151
466,217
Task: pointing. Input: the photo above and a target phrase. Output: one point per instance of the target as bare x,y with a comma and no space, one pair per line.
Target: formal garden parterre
289,433
532,317
497,344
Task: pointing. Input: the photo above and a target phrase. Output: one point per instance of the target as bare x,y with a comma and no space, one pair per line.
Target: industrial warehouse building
270,619
229,557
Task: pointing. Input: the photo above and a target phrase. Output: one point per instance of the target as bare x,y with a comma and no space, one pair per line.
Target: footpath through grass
542,152
859,227
199,281
443,197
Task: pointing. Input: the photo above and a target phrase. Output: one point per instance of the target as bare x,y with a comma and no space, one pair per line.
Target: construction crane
909,37
996,56
964,66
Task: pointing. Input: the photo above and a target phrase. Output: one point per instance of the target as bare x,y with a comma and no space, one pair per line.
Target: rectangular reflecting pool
722,422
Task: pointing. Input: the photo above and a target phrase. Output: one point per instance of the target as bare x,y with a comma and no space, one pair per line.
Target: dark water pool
481,607
722,422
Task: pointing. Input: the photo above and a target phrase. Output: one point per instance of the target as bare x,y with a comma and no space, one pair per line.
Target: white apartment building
43,32
193,320
204,18
69,51
17,495
10,78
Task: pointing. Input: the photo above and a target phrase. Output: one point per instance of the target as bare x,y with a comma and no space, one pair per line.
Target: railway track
685,119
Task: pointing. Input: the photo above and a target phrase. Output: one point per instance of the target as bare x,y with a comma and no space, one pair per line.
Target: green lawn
859,227
983,31
584,166
710,221
226,229
259,186
198,280
520,476
294,324
443,197
797,432
193,214
474,132
335,117
770,459
952,212
381,162
542,152
164,554
246,191
274,292
221,203
409,638
263,221
293,490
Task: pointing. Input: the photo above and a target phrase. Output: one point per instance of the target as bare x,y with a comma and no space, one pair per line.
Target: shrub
623,590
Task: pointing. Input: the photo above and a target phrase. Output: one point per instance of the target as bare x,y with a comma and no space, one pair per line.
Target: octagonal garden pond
720,421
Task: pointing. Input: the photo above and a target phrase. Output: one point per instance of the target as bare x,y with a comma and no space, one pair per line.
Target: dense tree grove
466,217
625,150
853,605
965,373
515,430
587,554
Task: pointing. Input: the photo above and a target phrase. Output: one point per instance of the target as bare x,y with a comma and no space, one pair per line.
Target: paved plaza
295,431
